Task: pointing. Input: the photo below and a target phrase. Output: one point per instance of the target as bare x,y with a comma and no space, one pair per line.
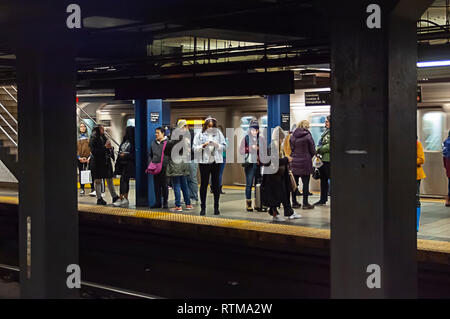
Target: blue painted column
149,114
278,113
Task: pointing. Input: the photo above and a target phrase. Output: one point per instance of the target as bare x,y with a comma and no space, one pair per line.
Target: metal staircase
8,128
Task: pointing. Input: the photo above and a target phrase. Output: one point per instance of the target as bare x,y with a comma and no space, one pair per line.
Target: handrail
9,125
10,138
14,88
107,135
12,96
7,112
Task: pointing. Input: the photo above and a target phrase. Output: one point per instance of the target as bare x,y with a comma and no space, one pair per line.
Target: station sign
317,98
286,121
154,117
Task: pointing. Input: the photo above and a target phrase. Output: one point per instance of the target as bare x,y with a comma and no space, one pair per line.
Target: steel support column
150,114
373,150
48,217
278,107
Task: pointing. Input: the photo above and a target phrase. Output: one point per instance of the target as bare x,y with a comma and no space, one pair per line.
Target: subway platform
434,221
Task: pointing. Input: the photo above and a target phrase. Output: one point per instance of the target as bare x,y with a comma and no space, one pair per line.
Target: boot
216,209
221,191
447,201
418,218
249,205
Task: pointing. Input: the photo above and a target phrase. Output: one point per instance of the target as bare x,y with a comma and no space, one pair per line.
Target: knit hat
254,124
210,118
181,123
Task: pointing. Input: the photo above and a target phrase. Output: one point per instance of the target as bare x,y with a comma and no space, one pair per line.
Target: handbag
317,161
155,168
292,182
316,173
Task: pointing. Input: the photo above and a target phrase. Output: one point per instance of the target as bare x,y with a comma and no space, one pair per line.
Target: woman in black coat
101,165
275,186
125,166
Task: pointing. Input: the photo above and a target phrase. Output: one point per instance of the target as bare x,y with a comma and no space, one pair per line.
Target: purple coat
303,150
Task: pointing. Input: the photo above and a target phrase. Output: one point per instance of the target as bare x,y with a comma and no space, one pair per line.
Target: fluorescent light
430,64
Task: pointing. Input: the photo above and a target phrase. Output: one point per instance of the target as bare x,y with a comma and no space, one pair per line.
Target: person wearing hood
249,147
160,180
275,186
323,150
83,154
125,166
178,168
101,165
209,145
303,150
446,158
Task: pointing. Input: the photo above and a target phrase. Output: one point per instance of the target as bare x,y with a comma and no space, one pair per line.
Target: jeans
222,168
192,181
177,183
418,193
324,176
207,170
251,175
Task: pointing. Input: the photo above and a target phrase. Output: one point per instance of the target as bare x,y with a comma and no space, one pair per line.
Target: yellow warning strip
292,230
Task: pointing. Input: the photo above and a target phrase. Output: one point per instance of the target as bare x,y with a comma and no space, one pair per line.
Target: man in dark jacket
160,180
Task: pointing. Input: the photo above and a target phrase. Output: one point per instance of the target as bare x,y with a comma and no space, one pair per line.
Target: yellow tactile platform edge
422,244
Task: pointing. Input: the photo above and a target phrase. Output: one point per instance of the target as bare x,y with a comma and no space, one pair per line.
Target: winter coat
244,148
420,161
275,187
303,150
181,167
126,165
100,162
446,156
156,152
324,146
83,149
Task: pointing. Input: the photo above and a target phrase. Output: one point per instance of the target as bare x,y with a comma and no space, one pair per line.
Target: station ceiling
176,38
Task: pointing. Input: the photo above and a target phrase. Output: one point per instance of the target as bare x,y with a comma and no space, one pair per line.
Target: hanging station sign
317,98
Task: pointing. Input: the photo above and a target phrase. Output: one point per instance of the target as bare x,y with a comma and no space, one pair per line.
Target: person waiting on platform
323,149
224,155
125,166
83,154
178,168
420,175
208,146
101,165
303,150
192,178
446,158
275,186
160,180
249,147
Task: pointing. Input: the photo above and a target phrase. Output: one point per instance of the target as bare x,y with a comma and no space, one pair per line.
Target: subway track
157,257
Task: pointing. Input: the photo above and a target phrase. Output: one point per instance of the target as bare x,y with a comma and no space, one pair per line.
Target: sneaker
176,209
115,199
101,201
93,193
189,207
295,216
82,192
319,203
278,219
125,203
308,206
117,203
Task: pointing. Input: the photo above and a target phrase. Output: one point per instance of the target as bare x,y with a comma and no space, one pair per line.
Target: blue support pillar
278,113
150,114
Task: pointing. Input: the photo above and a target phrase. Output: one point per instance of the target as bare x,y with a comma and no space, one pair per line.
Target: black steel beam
227,85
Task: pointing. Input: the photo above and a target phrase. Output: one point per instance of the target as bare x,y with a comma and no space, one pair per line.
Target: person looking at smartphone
209,145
